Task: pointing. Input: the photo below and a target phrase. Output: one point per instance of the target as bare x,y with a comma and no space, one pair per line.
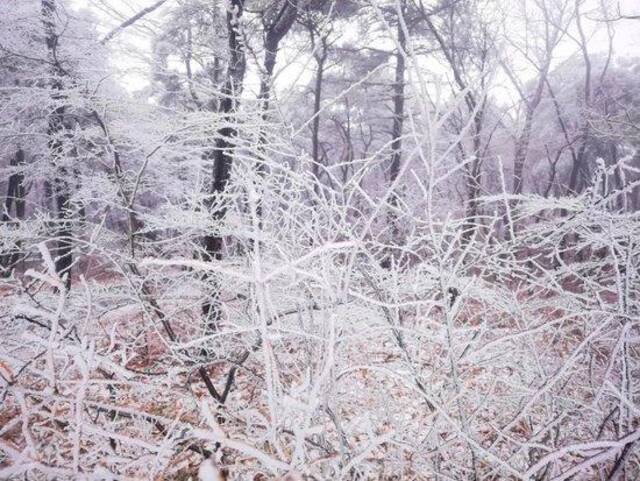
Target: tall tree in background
15,197
578,169
465,42
322,21
398,111
543,29
190,56
318,24
277,19
55,133
222,155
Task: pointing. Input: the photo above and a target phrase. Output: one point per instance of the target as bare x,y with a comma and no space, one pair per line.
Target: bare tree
471,88
55,132
222,154
15,197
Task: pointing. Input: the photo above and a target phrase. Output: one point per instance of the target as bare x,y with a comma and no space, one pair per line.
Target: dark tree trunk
63,254
522,145
577,175
222,154
64,246
15,190
578,165
270,55
320,57
274,33
474,183
398,120
317,99
15,196
396,134
475,106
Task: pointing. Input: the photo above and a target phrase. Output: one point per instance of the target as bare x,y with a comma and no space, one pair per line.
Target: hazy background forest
320,240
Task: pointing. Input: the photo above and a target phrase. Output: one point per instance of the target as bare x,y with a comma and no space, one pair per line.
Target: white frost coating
395,305
208,471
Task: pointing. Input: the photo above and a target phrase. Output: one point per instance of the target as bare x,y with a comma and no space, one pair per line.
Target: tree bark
55,126
475,107
577,167
15,196
398,119
522,145
15,189
317,101
274,33
222,154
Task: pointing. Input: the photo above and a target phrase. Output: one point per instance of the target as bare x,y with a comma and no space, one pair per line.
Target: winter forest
309,240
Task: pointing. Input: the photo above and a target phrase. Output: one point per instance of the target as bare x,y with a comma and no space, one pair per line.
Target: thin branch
127,23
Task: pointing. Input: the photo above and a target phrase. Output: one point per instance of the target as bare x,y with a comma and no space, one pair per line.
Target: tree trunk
15,189
317,100
15,195
63,254
222,154
474,180
475,106
398,120
522,145
274,33
577,167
